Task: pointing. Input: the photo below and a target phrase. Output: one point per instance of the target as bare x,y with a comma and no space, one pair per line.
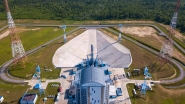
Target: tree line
155,10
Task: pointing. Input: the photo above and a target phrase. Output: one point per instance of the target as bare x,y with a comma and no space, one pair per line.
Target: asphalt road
161,33
9,79
4,28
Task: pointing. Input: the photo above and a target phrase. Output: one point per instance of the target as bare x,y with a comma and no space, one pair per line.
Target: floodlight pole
121,31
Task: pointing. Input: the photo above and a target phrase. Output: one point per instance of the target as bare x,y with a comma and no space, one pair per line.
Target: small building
136,72
119,92
112,91
29,99
1,99
37,86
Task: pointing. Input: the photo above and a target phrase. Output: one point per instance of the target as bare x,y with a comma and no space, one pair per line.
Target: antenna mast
18,51
166,51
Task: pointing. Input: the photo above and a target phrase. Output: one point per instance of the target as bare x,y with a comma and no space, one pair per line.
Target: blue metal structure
147,75
146,71
38,71
143,89
41,90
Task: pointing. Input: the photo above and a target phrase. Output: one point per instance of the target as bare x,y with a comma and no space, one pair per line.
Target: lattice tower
166,51
18,51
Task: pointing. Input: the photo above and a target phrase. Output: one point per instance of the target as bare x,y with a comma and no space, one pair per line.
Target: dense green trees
157,10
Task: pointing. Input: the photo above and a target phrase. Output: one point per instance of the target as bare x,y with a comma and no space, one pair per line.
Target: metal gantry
18,51
143,90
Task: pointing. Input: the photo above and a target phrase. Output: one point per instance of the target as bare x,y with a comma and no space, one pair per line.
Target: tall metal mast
18,51
166,51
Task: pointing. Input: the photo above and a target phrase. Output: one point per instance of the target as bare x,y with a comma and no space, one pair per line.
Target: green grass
12,92
51,91
30,40
42,57
142,58
5,50
181,82
34,38
157,96
3,23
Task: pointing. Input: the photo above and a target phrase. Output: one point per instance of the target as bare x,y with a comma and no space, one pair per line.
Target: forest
155,10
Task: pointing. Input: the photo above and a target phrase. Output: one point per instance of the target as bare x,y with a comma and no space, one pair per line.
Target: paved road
3,75
3,68
3,28
161,33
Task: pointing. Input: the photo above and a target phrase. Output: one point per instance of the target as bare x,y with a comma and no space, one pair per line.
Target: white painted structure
112,91
107,49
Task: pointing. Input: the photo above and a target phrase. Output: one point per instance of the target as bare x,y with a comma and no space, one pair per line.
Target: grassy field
5,50
176,83
61,22
12,92
142,58
43,58
3,23
159,95
156,42
31,37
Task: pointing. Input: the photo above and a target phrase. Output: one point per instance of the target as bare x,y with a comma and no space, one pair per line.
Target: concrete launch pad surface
107,49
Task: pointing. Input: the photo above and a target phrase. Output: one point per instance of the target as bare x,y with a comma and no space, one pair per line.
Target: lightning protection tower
18,51
166,51
65,38
121,30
